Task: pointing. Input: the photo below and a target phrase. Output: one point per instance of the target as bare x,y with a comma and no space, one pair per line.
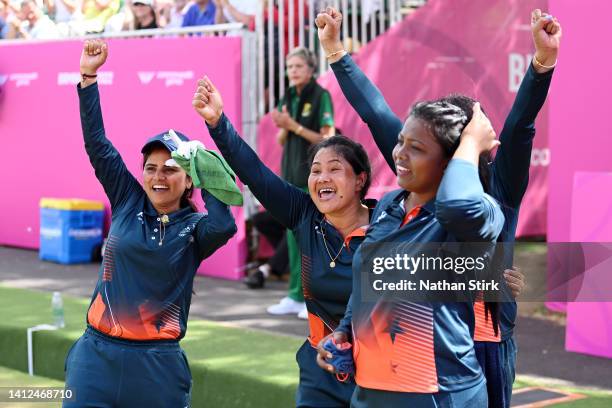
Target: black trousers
275,234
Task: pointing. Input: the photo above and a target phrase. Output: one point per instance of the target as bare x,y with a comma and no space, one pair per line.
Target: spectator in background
144,15
64,11
96,13
305,117
199,14
278,264
235,11
172,13
4,15
32,23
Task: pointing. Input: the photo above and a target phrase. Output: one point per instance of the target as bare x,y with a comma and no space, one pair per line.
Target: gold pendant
332,264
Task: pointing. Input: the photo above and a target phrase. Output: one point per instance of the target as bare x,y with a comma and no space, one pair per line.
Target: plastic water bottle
57,309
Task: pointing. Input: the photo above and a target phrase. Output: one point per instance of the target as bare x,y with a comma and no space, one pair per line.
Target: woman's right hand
328,28
207,102
479,134
93,56
323,355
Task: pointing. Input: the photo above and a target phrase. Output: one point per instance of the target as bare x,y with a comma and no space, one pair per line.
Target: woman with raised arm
328,221
508,174
129,355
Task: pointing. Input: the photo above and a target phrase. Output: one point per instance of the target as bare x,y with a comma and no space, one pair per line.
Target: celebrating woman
129,355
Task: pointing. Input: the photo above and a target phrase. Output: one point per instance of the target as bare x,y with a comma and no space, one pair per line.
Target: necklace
332,263
163,220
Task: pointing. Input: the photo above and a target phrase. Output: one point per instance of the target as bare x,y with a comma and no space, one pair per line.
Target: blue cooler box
70,230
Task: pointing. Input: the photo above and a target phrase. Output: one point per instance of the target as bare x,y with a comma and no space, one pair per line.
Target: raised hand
207,101
93,56
546,32
328,28
479,132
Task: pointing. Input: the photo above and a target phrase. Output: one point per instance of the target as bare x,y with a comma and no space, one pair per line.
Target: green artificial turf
593,399
17,380
230,366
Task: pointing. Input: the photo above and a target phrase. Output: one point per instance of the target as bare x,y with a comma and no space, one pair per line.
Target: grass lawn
594,399
14,378
230,366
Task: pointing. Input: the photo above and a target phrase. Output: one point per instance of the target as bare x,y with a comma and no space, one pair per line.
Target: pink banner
146,87
580,202
480,48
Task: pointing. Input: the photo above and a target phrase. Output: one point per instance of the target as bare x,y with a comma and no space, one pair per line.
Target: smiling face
332,183
164,185
419,158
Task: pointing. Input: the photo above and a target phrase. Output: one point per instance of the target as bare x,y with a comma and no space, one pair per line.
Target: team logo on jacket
381,216
307,109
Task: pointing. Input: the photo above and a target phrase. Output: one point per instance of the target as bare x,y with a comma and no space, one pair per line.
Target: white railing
363,21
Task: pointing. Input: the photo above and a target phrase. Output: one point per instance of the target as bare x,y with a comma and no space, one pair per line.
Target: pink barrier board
588,323
146,87
579,203
477,47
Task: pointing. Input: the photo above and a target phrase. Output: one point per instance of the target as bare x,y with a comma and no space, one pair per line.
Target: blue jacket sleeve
285,202
462,206
215,228
370,104
346,324
111,171
510,169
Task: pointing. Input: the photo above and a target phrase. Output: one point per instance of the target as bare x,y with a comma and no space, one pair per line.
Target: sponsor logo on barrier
540,157
517,66
20,79
73,78
170,78
146,77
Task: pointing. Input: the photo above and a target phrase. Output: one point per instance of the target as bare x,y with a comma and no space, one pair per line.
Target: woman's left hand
207,101
546,32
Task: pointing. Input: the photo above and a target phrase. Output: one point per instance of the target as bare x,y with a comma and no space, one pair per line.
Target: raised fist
93,56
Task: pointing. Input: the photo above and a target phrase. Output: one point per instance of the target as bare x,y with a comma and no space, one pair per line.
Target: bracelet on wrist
328,56
85,77
539,64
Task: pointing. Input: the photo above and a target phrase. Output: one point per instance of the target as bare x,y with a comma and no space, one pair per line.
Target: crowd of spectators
50,19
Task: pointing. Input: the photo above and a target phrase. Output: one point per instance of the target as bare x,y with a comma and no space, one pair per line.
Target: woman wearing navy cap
129,355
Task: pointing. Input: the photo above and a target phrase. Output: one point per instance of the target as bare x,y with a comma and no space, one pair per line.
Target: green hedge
231,367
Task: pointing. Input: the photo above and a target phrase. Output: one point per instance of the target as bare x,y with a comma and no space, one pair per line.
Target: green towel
209,170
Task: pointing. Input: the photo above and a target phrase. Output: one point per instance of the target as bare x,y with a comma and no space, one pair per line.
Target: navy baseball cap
166,139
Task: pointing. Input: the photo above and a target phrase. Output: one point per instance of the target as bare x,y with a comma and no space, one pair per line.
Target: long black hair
352,152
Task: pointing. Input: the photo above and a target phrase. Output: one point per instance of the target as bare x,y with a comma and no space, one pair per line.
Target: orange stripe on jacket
318,330
484,329
404,362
